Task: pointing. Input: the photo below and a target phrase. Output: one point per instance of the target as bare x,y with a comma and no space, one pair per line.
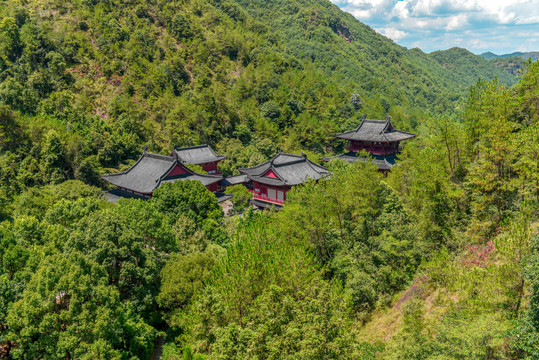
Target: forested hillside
438,260
88,83
512,63
468,68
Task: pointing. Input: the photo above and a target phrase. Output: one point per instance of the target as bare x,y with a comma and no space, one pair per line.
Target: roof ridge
290,162
388,124
159,156
360,124
256,166
185,154
403,132
192,147
299,156
273,159
319,166
376,120
131,167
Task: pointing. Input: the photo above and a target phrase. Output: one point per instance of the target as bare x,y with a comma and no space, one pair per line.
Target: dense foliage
436,260
84,84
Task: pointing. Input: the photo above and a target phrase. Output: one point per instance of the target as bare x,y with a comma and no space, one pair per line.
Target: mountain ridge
365,45
109,76
534,55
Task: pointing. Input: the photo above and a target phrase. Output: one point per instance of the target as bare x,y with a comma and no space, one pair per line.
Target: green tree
525,335
68,311
490,175
9,128
128,252
53,159
184,276
191,199
36,201
241,197
7,297
9,39
525,151
266,299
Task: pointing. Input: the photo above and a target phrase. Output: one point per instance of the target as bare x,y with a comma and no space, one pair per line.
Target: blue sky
477,25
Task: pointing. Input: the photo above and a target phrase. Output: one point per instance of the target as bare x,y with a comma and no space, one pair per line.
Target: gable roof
375,130
151,170
289,169
233,180
200,154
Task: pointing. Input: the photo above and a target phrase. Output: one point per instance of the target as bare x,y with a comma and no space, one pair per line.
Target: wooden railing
265,198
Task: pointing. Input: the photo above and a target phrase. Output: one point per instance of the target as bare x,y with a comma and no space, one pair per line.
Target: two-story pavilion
377,137
270,181
202,155
152,170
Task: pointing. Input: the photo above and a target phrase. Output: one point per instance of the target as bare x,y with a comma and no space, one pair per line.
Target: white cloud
392,33
457,22
478,25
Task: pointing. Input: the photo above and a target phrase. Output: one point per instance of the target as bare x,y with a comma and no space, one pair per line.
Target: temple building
270,181
202,155
377,137
152,170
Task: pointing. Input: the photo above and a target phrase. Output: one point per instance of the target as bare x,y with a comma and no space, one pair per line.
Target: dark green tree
69,311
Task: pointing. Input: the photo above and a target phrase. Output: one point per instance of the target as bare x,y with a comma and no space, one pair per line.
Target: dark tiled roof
151,170
145,176
117,194
233,180
223,197
200,154
267,180
289,170
375,130
265,205
384,162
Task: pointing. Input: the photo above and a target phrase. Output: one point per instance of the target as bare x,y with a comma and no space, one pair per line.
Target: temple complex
270,181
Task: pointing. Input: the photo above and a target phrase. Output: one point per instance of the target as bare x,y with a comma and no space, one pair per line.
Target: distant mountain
534,55
511,63
489,55
351,52
468,67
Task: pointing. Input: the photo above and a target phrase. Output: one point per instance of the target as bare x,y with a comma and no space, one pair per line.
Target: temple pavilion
378,137
202,155
152,170
270,181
